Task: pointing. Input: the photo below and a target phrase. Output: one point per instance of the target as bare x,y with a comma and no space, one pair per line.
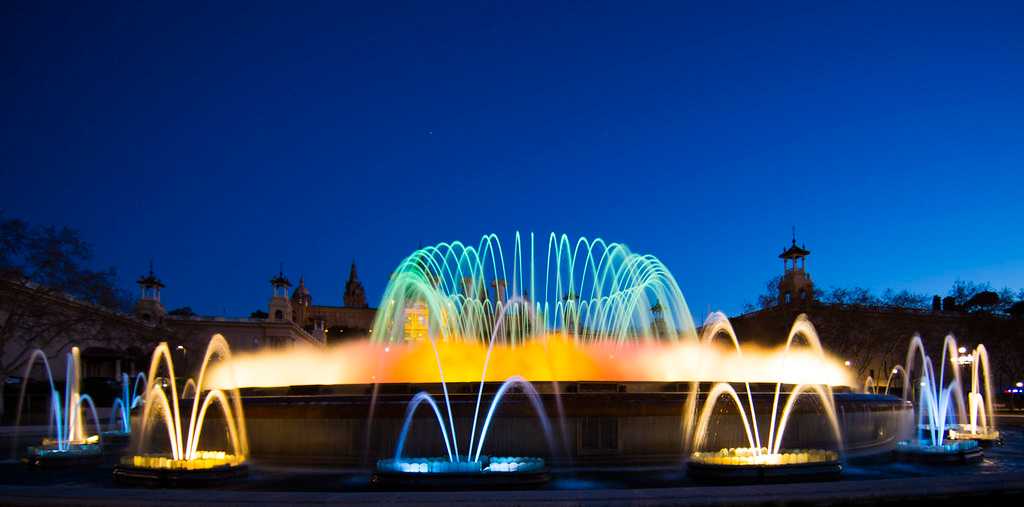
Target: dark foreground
998,478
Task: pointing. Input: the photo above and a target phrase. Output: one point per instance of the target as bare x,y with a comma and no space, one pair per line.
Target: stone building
328,323
873,339
113,342
289,320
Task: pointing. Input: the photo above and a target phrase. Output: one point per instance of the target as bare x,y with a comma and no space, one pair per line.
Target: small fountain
982,423
121,411
67,443
473,468
182,462
757,462
935,406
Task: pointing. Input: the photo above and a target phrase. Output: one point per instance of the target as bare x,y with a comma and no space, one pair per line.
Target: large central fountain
503,360
603,302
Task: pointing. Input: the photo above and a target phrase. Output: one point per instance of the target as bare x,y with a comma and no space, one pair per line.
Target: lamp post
184,356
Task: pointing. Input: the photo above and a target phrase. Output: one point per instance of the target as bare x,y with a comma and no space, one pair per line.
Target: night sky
221,139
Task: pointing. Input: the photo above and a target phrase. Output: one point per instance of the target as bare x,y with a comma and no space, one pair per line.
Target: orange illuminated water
556,358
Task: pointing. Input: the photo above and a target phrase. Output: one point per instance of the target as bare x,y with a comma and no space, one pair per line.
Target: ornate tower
796,286
301,302
280,308
148,307
355,295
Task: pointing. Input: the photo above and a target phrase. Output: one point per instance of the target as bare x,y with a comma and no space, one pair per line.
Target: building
331,323
113,342
874,339
288,320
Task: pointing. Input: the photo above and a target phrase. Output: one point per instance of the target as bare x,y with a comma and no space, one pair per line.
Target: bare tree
48,295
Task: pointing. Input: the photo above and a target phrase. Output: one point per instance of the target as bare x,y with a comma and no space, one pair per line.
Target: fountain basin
488,472
115,441
985,438
207,468
747,465
951,452
50,456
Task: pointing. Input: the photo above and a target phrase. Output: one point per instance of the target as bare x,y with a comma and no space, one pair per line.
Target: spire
301,293
150,281
794,251
355,294
280,280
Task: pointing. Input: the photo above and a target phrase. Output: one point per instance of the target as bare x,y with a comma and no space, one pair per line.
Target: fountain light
981,424
746,456
69,443
939,401
186,464
736,463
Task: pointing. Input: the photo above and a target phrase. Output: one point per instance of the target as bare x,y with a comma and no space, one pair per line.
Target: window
788,298
279,315
598,435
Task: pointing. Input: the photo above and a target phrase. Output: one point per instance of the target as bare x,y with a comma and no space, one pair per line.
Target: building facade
872,339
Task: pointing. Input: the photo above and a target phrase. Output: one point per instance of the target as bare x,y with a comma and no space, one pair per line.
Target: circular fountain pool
488,471
47,456
748,464
950,452
984,437
206,468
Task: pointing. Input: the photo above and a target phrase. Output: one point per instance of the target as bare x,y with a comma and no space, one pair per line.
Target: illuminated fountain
982,423
121,410
181,461
939,405
67,443
763,459
458,468
584,292
463,320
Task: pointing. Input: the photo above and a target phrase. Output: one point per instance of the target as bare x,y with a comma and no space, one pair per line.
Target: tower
302,300
355,295
280,308
148,307
796,286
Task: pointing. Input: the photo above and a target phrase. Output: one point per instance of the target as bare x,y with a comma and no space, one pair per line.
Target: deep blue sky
220,139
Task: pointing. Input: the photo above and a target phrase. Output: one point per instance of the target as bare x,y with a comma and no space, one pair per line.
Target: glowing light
557,358
184,440
1020,384
67,415
587,290
747,456
962,350
846,363
202,460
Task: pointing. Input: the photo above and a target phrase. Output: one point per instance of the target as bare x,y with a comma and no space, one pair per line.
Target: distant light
387,349
847,363
1020,384
962,350
895,371
181,348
